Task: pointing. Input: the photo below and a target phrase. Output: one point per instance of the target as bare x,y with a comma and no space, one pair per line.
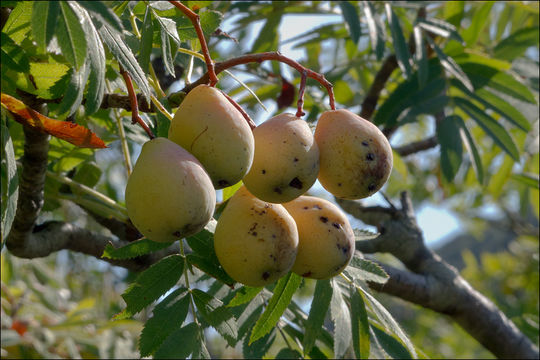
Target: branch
417,146
434,284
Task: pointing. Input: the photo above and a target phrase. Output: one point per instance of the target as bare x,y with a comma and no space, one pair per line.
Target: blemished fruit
286,162
355,156
208,126
256,242
326,239
169,195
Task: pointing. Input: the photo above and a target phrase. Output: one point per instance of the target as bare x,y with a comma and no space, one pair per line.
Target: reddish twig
260,57
300,112
250,122
135,118
195,20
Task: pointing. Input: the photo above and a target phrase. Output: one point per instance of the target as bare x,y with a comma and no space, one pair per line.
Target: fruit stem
300,112
259,58
135,118
250,122
195,20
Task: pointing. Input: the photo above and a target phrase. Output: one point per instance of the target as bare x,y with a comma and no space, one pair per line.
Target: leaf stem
122,133
191,302
196,21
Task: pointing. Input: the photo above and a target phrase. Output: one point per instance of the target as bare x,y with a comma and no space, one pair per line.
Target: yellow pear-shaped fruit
169,195
286,162
326,239
356,157
207,125
255,241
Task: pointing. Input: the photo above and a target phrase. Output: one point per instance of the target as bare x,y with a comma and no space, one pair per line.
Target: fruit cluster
268,226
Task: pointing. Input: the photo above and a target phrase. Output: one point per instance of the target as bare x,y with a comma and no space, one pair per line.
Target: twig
250,122
300,112
195,20
417,146
135,118
259,58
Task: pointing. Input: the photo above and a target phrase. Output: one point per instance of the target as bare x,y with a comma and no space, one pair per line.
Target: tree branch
434,284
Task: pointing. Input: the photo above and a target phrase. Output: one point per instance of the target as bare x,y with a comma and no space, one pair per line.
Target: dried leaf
76,134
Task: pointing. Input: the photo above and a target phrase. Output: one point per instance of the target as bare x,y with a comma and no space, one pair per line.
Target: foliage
464,74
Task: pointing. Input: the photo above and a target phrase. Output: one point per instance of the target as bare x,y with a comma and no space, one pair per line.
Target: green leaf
44,19
479,20
342,321
362,234
147,35
180,344
10,181
96,60
217,315
210,21
495,130
287,353
451,65
470,145
497,104
166,52
71,36
388,321
279,301
421,57
529,180
451,147
268,36
167,317
390,345
125,57
366,270
13,55
133,249
401,48
104,13
204,256
74,91
168,27
441,28
516,44
376,29
151,284
317,313
257,349
359,324
18,23
486,76
350,15
429,106
244,295
88,173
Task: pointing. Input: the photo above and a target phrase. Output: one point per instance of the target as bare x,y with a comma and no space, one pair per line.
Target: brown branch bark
434,284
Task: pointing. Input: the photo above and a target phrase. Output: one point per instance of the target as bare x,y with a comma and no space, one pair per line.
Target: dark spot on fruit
317,207
177,233
223,183
265,275
305,208
296,183
336,225
260,240
306,274
273,236
266,206
245,260
365,143
338,184
324,219
278,190
371,187
295,159
370,157
263,171
254,233
382,230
